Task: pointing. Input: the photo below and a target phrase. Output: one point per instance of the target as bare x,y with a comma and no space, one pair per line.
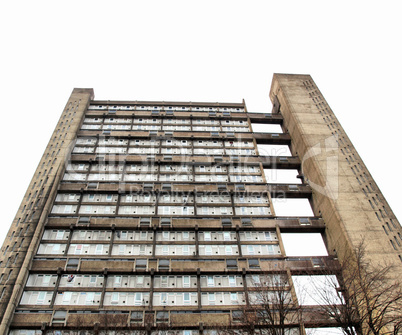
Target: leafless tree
110,322
363,298
271,309
272,304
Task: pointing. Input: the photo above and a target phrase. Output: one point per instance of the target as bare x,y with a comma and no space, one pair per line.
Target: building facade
159,216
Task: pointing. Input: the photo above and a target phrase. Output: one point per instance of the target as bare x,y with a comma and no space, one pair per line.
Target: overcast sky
198,51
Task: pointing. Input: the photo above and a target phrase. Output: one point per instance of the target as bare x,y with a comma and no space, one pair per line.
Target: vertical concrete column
72,116
341,183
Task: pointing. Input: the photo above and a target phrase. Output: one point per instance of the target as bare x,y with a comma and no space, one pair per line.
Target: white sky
306,244
197,51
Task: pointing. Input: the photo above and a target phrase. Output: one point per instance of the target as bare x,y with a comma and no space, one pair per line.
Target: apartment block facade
150,217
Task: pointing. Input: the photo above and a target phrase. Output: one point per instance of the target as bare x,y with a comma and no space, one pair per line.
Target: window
163,298
15,259
162,316
99,249
46,280
237,316
122,249
136,316
186,281
41,298
123,234
56,248
59,317
117,281
142,249
164,264
140,281
72,263
186,298
90,298
211,298
59,234
270,249
141,264
226,222
114,298
138,301
253,263
68,209
232,281
92,280
210,281
164,281
67,297
255,279
231,263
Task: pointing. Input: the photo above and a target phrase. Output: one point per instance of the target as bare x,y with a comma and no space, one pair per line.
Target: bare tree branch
366,300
